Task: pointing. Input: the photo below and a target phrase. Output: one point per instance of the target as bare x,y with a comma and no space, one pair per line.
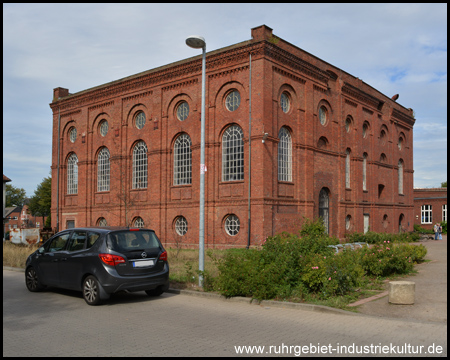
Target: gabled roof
6,179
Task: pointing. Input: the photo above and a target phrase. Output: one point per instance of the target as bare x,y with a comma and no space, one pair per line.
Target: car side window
78,239
91,239
59,242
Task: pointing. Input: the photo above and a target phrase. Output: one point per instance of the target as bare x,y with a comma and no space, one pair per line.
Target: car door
49,260
73,260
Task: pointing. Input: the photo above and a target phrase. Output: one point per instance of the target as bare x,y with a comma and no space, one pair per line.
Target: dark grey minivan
100,261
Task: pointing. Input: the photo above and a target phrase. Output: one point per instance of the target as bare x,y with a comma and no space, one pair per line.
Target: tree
14,196
444,184
41,202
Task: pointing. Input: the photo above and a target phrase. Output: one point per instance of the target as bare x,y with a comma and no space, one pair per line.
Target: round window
284,102
232,225
323,115
104,127
233,100
183,111
181,226
73,134
140,120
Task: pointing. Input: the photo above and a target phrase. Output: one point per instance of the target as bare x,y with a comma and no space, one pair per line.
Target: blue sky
395,48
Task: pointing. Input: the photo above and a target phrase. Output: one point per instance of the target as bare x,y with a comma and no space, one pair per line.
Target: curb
263,303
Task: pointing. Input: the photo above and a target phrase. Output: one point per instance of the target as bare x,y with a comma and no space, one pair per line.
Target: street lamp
198,42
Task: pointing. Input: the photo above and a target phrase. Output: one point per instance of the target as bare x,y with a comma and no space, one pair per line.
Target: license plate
143,263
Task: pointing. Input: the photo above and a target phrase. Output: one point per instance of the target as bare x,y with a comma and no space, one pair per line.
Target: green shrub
295,266
381,238
387,258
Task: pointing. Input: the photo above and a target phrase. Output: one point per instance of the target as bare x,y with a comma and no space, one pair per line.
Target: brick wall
318,151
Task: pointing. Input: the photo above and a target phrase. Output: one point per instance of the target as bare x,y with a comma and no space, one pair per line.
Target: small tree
41,202
444,184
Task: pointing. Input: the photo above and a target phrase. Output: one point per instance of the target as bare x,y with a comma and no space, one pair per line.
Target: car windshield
132,240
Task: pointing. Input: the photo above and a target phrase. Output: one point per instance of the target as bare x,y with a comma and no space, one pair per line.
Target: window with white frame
400,176
72,174
284,155
233,100
323,115
426,214
233,154
140,165
102,222
284,102
183,111
138,223
347,168
364,172
140,120
232,225
444,212
182,160
103,170
181,225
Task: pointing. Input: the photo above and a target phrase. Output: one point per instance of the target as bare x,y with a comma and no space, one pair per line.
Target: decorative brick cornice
288,74
362,96
351,103
367,110
180,85
95,107
319,88
137,96
70,113
403,117
295,62
228,72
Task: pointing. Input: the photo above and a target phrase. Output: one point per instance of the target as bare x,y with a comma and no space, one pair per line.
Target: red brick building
322,142
430,206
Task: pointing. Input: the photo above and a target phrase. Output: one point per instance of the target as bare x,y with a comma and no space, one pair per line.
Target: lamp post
198,42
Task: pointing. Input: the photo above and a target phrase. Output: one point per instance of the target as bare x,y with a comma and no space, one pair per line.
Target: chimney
262,32
59,93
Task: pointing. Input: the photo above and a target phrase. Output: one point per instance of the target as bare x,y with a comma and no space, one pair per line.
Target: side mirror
41,250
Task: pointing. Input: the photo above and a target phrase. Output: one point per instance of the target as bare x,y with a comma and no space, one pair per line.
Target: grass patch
15,255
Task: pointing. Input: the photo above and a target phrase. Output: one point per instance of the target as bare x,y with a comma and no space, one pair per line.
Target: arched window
138,222
324,208
103,170
102,222
72,174
347,168
140,165
364,172
233,154
182,160
284,155
400,176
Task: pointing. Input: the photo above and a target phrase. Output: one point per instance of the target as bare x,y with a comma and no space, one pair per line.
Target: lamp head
196,42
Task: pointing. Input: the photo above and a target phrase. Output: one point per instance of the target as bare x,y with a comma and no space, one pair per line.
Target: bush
387,258
292,266
381,238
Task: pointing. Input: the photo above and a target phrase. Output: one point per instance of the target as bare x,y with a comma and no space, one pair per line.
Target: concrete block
402,292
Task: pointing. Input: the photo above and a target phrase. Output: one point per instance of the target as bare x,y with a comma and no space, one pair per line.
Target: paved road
59,323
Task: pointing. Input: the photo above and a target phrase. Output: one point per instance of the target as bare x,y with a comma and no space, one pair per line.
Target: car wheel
32,280
91,291
155,292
